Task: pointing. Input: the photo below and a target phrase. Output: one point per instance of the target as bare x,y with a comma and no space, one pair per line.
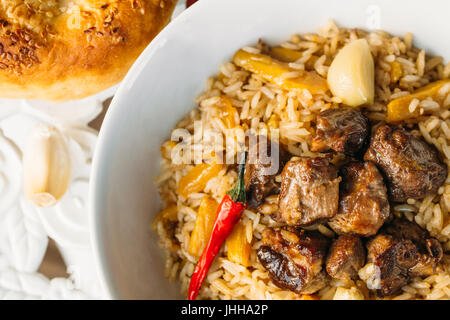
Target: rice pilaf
262,106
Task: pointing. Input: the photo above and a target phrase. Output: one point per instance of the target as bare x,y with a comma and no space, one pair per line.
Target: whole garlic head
47,167
351,75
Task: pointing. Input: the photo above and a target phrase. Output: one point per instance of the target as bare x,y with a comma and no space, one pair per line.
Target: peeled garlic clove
351,75
47,166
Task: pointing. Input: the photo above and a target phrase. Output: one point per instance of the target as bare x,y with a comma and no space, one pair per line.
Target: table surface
53,265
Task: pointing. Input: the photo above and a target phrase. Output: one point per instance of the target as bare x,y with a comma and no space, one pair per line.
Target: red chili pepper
228,214
190,3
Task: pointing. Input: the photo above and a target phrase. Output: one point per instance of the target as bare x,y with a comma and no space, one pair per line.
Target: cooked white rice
256,101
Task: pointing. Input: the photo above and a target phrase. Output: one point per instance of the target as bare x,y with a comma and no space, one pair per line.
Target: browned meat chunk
411,166
402,250
391,258
429,249
309,191
363,204
343,130
346,257
265,161
294,258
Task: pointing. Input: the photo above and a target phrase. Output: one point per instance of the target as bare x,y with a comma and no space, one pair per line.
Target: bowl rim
95,181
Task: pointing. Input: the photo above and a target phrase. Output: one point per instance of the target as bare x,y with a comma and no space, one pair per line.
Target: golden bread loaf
70,49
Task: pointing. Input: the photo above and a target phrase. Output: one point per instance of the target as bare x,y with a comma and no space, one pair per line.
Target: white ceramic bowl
160,89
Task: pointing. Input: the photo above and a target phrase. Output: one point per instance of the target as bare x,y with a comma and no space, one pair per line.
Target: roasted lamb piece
363,204
343,130
294,258
345,257
429,249
265,161
309,191
391,258
402,250
411,166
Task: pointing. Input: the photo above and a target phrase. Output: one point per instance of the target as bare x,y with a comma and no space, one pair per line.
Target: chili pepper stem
238,193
